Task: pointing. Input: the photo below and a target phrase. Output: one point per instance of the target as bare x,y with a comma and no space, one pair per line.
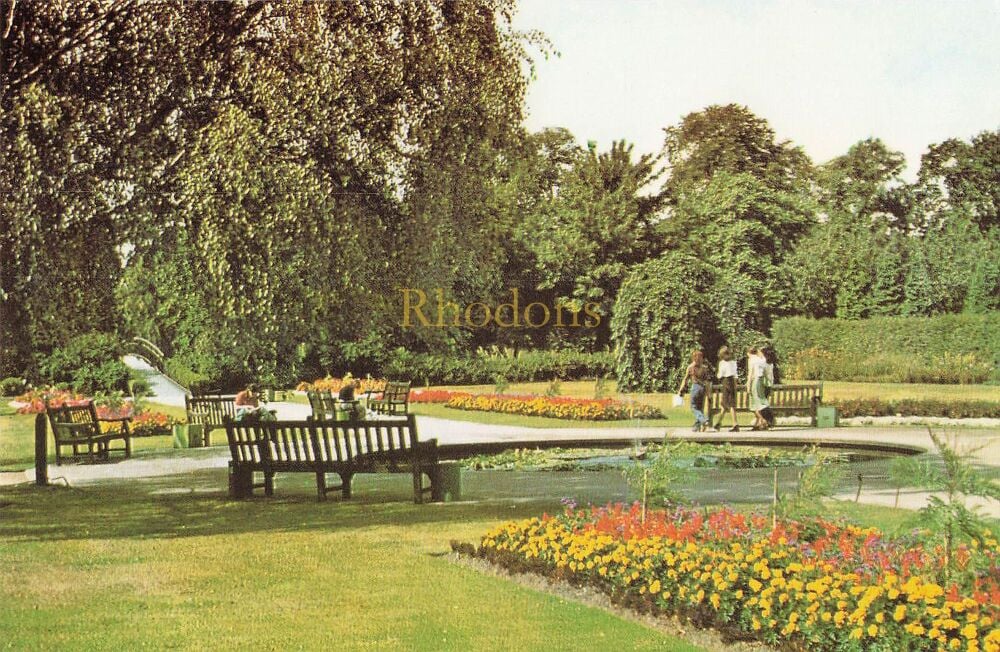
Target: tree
138,114
662,313
961,180
730,139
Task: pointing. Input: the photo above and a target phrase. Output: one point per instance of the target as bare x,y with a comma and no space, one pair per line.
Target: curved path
982,444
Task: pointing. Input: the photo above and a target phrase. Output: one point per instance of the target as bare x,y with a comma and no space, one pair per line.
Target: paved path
164,389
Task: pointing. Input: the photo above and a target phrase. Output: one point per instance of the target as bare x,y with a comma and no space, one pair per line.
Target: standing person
759,378
698,372
727,374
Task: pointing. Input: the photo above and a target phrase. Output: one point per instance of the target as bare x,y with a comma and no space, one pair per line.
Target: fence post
41,451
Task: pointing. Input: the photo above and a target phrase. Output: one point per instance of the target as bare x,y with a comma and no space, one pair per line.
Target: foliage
953,409
946,348
947,515
817,481
11,386
662,481
731,139
810,583
90,363
663,312
484,369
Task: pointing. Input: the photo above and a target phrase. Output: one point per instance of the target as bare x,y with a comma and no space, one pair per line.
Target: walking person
727,373
698,373
760,376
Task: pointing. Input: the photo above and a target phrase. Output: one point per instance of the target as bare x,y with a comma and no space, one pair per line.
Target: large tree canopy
287,153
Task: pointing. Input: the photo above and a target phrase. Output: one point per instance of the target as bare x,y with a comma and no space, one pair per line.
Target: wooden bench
210,412
321,447
78,427
395,399
801,398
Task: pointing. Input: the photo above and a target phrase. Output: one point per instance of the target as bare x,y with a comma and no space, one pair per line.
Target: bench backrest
321,442
803,395
73,420
210,410
396,392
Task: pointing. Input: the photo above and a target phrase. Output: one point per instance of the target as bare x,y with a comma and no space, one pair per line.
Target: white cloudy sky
824,74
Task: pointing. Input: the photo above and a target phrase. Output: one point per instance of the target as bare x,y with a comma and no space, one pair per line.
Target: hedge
943,349
528,366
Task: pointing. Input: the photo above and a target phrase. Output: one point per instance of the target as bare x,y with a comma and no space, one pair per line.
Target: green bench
78,428
210,412
344,448
395,399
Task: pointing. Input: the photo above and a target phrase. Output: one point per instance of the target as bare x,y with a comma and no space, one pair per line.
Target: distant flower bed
143,424
811,584
557,407
334,384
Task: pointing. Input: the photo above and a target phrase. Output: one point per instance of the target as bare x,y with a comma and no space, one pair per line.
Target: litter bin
827,417
196,435
451,481
180,436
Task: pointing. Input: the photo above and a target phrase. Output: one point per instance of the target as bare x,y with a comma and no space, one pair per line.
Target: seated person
346,397
248,404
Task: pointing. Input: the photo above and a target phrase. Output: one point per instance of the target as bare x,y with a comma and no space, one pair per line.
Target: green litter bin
180,436
827,417
451,481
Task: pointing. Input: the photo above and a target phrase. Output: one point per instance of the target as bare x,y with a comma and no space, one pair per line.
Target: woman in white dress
760,376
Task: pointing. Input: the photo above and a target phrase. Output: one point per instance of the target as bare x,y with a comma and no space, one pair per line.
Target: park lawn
17,437
171,563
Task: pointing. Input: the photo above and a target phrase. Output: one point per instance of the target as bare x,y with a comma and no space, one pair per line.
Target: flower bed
557,407
810,584
143,424
333,385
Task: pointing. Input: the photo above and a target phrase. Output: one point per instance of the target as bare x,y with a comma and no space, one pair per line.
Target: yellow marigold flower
872,630
654,586
856,633
954,644
880,617
716,601
755,586
969,631
900,613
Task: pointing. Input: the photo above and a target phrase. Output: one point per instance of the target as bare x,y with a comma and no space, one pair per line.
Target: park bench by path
210,412
77,427
395,399
801,398
345,448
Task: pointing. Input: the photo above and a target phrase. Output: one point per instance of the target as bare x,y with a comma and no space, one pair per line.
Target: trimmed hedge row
942,349
873,407
529,366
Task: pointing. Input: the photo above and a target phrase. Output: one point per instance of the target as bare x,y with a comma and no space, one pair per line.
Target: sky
824,74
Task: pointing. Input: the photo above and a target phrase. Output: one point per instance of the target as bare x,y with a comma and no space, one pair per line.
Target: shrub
944,349
485,369
873,407
90,363
11,386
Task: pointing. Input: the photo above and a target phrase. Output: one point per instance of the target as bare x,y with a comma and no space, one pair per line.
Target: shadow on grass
194,504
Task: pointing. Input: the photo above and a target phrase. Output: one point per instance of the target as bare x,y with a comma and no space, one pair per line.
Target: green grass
171,563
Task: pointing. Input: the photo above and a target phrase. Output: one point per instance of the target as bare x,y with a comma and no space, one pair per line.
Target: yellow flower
872,630
900,613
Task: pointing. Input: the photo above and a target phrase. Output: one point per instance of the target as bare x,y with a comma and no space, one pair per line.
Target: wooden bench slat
321,447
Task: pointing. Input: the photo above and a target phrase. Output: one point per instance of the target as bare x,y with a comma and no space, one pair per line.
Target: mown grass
172,564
